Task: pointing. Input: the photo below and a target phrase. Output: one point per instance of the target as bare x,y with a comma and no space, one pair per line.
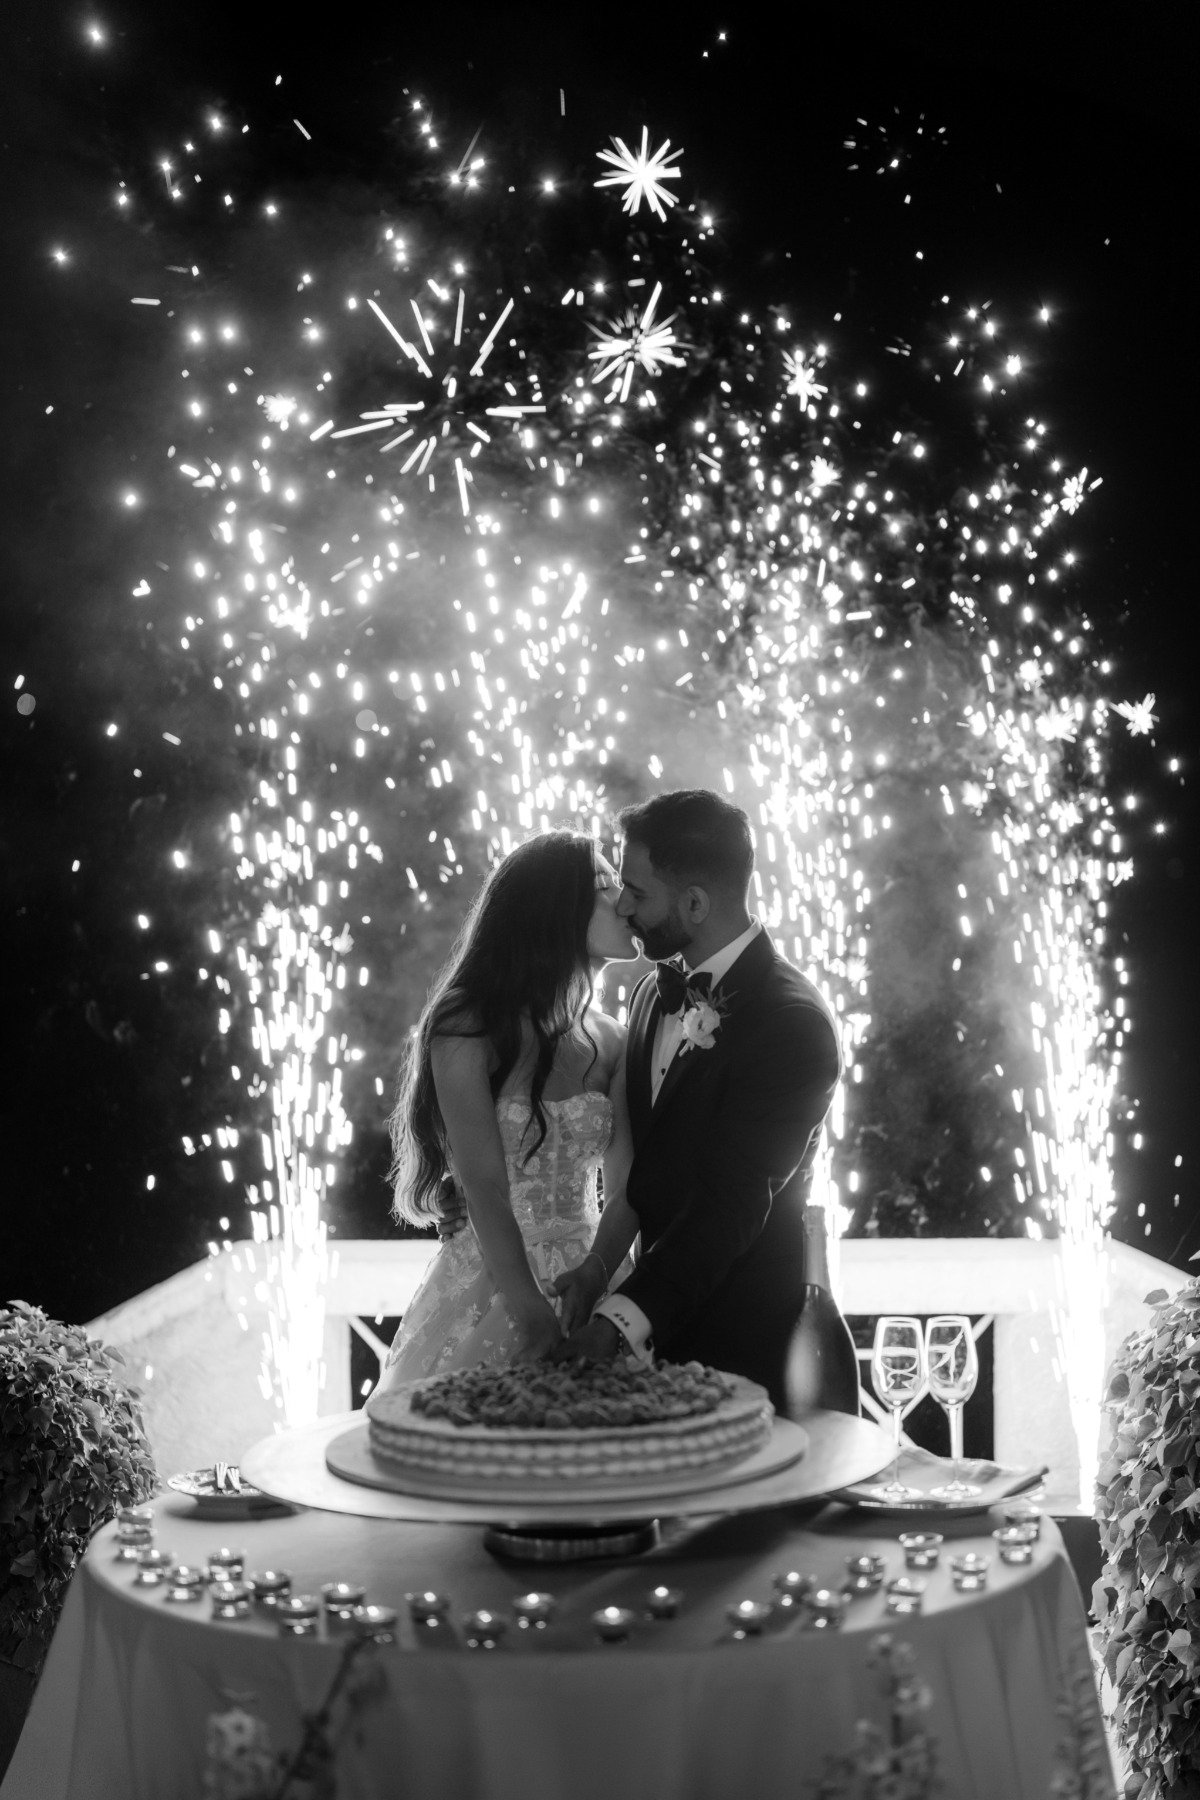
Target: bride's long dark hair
522,953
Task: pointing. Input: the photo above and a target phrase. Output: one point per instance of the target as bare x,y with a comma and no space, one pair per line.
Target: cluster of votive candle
484,1629
233,1594
824,1608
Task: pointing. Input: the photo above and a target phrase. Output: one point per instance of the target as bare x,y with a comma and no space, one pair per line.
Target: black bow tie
673,984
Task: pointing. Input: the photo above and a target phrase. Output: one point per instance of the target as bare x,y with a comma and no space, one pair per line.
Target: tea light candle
533,1610
378,1622
969,1572
613,1623
825,1610
663,1602
792,1587
340,1599
134,1518
748,1617
904,1594
269,1586
921,1548
230,1600
185,1583
1020,1512
135,1531
226,1565
484,1629
1015,1543
428,1608
864,1574
130,1548
153,1568
297,1614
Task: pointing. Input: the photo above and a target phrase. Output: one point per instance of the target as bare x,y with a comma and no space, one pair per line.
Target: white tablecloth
680,1712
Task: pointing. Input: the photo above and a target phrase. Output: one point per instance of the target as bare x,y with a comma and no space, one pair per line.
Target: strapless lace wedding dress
457,1319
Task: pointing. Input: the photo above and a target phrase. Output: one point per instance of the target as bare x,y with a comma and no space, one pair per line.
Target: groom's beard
666,939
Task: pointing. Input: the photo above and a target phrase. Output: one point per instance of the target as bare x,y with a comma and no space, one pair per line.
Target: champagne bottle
822,1364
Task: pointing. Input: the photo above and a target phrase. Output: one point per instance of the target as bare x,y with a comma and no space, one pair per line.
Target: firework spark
641,175
450,419
634,341
1139,715
802,380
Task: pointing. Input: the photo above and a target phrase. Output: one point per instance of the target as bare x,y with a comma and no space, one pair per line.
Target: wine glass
898,1371
953,1371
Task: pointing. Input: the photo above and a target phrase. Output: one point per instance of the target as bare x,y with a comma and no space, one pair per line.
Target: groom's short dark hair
693,836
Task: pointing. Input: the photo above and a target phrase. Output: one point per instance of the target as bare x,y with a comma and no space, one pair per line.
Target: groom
731,1065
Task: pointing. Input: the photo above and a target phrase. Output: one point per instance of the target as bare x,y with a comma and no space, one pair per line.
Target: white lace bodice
456,1318
556,1188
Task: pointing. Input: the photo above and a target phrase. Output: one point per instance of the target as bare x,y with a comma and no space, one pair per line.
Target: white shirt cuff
630,1321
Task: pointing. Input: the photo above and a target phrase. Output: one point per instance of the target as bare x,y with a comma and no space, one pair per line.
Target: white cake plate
830,1451
350,1455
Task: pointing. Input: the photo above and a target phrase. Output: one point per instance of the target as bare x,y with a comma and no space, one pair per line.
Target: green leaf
71,1447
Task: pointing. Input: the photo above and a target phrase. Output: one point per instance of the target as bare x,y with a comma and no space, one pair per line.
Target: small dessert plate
233,1499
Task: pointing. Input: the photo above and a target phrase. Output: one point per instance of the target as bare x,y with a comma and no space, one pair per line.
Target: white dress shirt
629,1318
668,1034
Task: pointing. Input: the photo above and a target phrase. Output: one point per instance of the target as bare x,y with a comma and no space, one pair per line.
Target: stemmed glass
953,1371
898,1371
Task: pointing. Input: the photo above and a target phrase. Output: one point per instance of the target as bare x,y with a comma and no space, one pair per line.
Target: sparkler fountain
598,526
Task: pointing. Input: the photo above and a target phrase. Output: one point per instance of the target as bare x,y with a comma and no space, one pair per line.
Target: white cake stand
329,1465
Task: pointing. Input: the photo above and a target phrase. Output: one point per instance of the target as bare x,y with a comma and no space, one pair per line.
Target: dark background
1064,177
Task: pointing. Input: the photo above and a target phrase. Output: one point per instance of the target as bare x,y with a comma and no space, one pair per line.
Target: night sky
1046,163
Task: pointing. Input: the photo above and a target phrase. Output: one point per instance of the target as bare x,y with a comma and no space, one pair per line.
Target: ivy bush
72,1450
1147,1600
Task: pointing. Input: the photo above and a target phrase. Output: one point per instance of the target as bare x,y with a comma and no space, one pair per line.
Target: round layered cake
535,1424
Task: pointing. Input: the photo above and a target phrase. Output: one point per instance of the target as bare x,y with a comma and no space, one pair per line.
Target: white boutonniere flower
702,1015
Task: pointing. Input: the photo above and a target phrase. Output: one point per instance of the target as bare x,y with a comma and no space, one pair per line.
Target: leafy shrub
1147,1600
72,1449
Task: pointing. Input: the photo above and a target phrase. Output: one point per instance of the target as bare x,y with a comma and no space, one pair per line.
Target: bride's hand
579,1289
540,1330
451,1210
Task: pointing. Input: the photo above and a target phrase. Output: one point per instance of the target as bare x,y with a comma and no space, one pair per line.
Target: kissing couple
704,1116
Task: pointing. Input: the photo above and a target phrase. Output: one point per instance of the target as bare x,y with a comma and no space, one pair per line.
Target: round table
682,1710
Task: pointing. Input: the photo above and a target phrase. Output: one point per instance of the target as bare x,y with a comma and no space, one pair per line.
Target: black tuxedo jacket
722,1166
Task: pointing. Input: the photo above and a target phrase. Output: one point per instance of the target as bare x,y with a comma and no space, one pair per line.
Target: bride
515,1088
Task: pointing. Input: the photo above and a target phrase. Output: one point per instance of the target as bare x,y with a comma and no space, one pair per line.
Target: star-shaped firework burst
278,408
802,378
1075,491
626,342
641,175
1139,715
447,417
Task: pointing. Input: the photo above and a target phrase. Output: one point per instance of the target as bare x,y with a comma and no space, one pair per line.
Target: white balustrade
194,1342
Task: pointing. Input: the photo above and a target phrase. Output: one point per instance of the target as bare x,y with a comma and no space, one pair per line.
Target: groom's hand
598,1341
579,1289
